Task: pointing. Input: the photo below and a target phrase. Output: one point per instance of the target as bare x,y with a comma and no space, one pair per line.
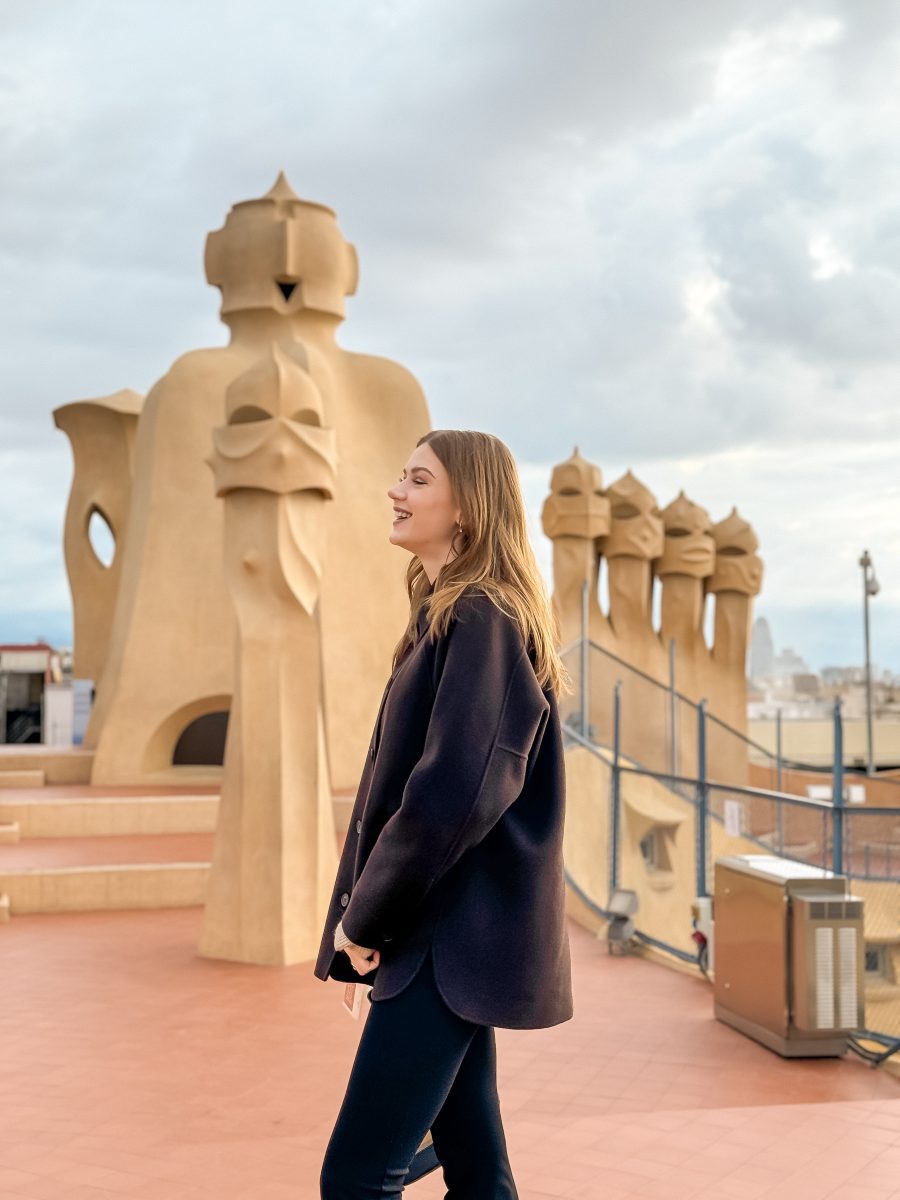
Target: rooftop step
9,832
86,814
59,766
21,779
89,849
97,888
96,873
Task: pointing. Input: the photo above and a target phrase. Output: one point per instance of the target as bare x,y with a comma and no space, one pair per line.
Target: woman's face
423,491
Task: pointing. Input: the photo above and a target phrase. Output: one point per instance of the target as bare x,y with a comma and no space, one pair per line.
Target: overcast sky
667,232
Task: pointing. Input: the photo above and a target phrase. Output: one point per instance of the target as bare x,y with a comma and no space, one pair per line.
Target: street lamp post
870,588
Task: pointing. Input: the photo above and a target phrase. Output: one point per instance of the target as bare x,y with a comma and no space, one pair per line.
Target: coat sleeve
488,713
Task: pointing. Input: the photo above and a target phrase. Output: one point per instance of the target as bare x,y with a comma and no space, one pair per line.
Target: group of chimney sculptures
253,586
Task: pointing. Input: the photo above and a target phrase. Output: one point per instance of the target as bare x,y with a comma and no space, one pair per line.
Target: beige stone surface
275,857
283,269
664,894
622,530
21,779
98,816
102,433
45,765
811,740
95,888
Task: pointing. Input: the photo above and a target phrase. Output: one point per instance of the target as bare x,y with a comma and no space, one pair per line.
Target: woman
450,889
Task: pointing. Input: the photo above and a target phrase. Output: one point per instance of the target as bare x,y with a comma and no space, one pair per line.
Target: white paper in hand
353,998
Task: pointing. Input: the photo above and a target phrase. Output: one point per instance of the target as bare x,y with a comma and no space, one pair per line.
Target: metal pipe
585,649
673,715
837,793
702,799
615,798
870,588
779,808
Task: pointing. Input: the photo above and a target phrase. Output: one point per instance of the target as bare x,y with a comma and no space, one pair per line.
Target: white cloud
827,258
666,232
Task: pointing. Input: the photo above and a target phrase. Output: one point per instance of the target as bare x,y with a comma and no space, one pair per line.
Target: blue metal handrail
697,790
777,759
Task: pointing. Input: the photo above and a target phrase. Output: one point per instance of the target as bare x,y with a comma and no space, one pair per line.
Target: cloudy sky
667,232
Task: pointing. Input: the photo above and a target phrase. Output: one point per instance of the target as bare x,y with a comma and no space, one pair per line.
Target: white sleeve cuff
340,938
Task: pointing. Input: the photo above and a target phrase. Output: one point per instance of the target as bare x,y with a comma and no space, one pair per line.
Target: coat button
345,899
358,826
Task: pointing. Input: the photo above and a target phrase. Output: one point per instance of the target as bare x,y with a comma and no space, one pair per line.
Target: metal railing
702,762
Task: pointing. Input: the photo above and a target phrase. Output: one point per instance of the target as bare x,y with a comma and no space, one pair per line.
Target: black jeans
419,1066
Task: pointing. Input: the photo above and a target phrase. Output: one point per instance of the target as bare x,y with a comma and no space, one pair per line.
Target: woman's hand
363,959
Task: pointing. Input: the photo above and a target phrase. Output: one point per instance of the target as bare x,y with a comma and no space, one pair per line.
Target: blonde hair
493,552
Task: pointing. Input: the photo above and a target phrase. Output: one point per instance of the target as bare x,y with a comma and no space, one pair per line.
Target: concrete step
60,766
83,813
95,873
94,812
22,779
91,851
9,832
98,888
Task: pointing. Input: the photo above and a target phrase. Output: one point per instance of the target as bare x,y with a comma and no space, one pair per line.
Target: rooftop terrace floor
132,1067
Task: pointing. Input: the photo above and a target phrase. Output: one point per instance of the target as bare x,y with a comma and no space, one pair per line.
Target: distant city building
805,685
782,683
842,676
762,650
788,663
25,670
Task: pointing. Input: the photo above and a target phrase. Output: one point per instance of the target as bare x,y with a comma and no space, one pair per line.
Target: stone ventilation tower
679,551
275,466
102,433
157,627
687,562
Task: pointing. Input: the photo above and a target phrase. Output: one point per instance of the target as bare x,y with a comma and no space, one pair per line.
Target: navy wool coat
455,839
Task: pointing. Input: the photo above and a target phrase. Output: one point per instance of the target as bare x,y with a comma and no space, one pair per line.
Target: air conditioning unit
790,954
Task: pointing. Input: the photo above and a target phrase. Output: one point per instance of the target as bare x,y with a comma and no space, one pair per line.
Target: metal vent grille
835,910
824,950
848,983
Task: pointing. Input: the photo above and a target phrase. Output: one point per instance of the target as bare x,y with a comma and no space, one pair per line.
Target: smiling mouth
402,515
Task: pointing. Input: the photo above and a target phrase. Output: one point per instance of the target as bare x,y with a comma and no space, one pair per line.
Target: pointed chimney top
281,189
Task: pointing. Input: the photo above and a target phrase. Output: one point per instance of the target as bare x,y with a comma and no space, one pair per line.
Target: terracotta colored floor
131,1067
